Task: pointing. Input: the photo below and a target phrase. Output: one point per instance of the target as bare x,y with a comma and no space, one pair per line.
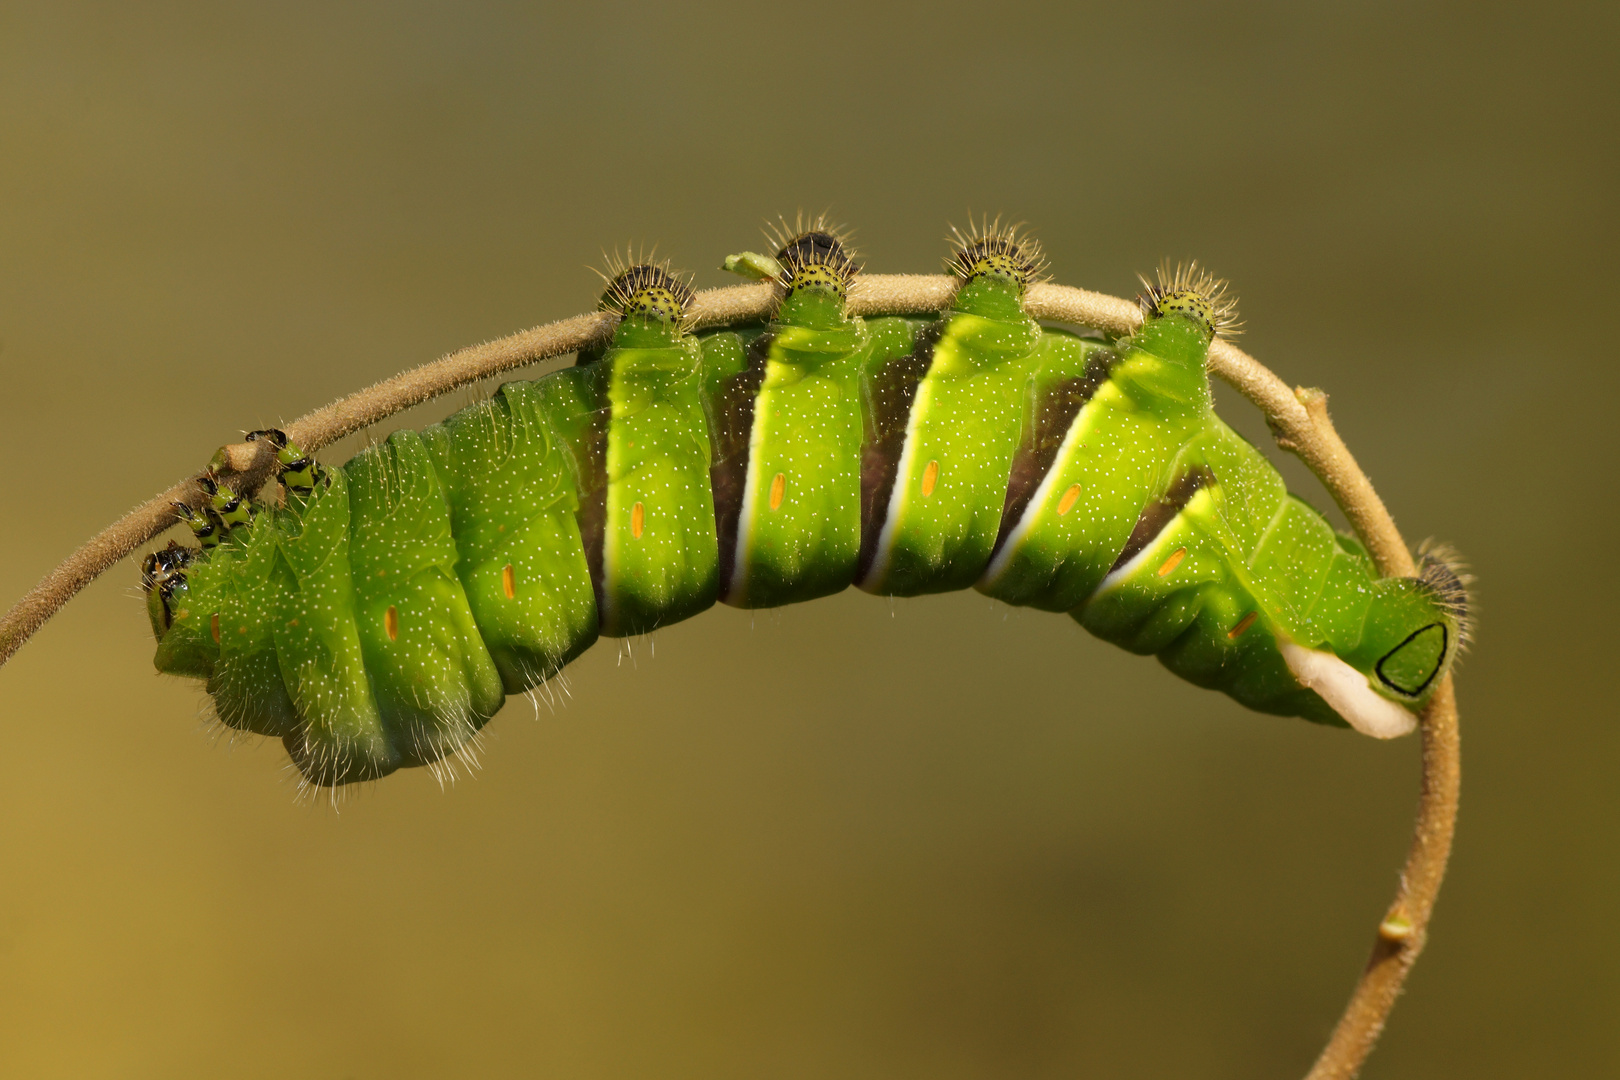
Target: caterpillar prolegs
378,612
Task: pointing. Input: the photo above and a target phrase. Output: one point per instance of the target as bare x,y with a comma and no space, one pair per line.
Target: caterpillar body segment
378,617
789,404
660,555
515,502
786,476
935,526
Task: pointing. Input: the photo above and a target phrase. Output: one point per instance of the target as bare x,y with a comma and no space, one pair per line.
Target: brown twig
1298,418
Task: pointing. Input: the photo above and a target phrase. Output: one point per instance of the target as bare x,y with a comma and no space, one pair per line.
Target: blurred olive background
928,838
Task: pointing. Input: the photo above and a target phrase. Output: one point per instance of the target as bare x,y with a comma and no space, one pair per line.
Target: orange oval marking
213,627
638,520
1172,562
509,582
778,487
1243,624
930,478
391,623
1070,497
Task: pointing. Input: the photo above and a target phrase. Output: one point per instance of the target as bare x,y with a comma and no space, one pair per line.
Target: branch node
1397,926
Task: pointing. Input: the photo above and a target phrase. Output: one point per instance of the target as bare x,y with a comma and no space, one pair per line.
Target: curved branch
1298,418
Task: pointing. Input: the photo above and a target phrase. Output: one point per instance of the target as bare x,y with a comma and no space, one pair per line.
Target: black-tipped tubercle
1188,289
991,248
647,290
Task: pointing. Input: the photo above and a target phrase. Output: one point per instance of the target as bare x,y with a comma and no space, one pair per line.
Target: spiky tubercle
1189,290
813,254
646,290
990,248
1445,573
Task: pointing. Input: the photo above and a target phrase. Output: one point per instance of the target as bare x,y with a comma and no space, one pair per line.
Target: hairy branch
1298,418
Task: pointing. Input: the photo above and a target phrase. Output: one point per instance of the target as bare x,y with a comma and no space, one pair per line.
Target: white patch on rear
1346,690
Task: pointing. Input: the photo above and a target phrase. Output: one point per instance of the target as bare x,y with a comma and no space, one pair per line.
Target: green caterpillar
377,617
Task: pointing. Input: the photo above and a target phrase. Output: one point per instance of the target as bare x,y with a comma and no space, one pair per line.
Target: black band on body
591,458
1157,515
894,391
1054,415
733,433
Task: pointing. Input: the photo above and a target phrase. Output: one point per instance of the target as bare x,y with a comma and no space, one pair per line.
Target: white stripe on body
899,498
1066,451
743,552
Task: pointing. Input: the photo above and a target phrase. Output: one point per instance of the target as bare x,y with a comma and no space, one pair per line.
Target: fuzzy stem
1298,418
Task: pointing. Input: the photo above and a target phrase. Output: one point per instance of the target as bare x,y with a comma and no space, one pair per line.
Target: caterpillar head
1193,293
647,297
187,644
162,573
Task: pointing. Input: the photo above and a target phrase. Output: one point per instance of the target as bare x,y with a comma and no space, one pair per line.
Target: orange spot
1243,624
391,623
638,520
1172,562
213,627
1070,497
292,622
778,486
509,582
930,478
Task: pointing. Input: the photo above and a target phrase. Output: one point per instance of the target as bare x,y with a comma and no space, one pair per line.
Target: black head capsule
161,567
274,436
163,572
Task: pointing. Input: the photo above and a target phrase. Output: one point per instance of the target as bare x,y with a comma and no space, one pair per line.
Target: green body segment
514,501
318,644
791,410
1114,458
434,682
248,584
660,558
944,509
380,616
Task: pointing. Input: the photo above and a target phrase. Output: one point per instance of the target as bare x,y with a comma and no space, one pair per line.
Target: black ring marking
1445,645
